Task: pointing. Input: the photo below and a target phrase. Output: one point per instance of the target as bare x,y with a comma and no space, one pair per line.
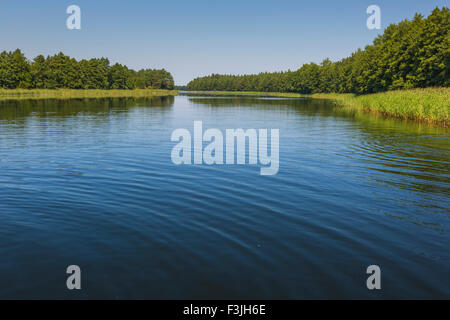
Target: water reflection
394,153
20,109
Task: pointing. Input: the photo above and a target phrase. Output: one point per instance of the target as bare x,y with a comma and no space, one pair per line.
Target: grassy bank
431,104
14,94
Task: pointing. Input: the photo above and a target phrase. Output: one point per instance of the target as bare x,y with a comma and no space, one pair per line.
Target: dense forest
411,54
61,71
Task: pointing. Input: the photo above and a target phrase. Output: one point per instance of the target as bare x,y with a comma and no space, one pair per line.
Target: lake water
91,183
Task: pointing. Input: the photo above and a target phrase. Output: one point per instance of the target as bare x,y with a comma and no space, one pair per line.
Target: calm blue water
91,183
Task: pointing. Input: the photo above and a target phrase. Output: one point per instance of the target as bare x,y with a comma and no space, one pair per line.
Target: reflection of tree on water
20,109
326,108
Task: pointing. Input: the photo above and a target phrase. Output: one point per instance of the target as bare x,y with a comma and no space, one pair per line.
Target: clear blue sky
196,38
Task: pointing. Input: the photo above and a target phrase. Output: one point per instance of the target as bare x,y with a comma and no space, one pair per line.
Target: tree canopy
61,71
411,54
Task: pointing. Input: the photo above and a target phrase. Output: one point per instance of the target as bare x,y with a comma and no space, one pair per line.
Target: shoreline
430,105
30,94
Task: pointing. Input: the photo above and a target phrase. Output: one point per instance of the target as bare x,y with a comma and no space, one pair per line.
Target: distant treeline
411,54
61,71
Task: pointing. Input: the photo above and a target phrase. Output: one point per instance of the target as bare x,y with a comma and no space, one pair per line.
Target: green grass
430,104
15,94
